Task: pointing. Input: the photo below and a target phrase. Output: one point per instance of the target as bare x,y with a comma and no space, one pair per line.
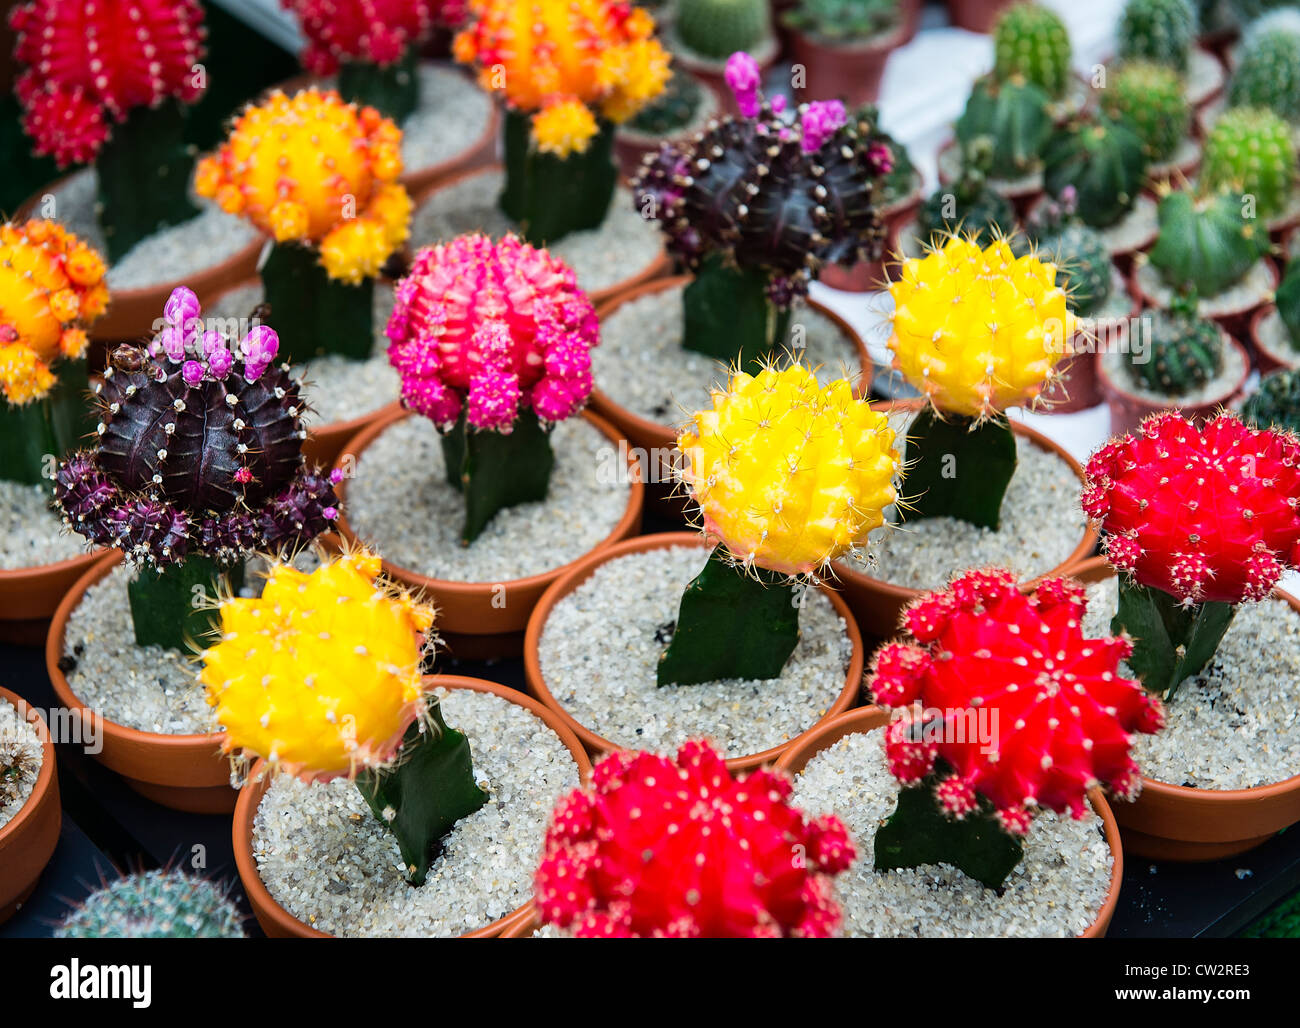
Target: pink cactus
378,31
491,328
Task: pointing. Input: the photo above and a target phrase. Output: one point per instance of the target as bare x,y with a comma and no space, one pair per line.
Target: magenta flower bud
260,345
743,79
192,372
172,343
820,120
220,361
181,307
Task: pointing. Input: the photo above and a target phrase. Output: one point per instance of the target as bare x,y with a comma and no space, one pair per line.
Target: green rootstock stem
919,833
177,607
549,196
313,314
144,177
394,91
728,316
958,469
429,789
495,471
732,625
35,435
1171,643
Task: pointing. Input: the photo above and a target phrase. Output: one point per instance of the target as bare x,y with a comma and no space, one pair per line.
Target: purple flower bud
260,345
821,120
743,79
181,307
192,372
173,343
212,342
220,362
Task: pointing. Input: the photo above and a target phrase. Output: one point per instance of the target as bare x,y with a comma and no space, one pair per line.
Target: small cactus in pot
1206,243
672,110
1014,115
1276,404
197,462
716,29
1179,354
832,22
320,678
161,904
776,528
1162,31
1197,520
492,343
1150,99
1031,40
1250,152
968,205
1267,74
1102,161
1079,252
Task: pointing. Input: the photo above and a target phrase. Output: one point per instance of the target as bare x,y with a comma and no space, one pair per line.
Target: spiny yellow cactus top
51,287
597,53
979,330
320,675
789,475
312,168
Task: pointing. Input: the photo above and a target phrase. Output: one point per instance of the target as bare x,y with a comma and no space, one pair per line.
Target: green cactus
1102,160
1150,99
718,28
1083,264
1268,69
844,21
1249,151
155,905
1158,30
1182,352
1031,41
1277,402
1287,299
1206,243
1014,116
673,109
970,203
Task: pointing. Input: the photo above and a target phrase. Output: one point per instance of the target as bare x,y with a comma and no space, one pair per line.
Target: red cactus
378,31
1201,513
499,324
89,60
657,847
1059,713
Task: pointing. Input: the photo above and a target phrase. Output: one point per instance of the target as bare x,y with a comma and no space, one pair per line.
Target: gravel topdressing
950,171
641,365
1057,890
1218,387
1186,155
400,501
31,534
1041,524
1276,340
1205,76
623,246
1249,293
20,750
336,388
328,861
601,646
174,254
1235,725
1135,230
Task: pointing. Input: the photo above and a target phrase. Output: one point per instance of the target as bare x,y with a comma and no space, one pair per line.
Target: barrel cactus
163,904
1014,115
1031,40
969,205
1249,150
1181,353
1150,99
1079,252
1268,67
1162,31
718,28
1206,243
1102,161
1276,404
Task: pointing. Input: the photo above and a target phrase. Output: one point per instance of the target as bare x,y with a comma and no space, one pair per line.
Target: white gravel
31,534
623,246
1235,725
950,171
1041,524
598,655
1205,76
1246,295
1136,230
168,256
400,501
1057,890
641,365
1217,388
328,861
1185,158
336,388
21,757
1274,338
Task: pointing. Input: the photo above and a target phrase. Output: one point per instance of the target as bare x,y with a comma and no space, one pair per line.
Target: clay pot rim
1097,569
664,435
1135,289
563,586
251,793
44,777
765,53
1291,360
20,576
1113,387
905,594
208,743
886,40
461,590
655,269
633,137
871,718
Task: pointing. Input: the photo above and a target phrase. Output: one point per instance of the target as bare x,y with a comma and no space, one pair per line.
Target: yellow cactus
598,53
320,675
51,287
978,330
313,169
789,475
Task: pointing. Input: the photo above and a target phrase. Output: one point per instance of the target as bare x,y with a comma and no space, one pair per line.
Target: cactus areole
1061,718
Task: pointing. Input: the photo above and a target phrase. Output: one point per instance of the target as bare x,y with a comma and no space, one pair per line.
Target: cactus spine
1182,354
155,905
718,28
1150,99
1031,41
1250,151
1102,160
1014,115
1082,259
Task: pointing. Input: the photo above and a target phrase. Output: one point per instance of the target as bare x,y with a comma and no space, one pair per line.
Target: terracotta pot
976,15
1268,358
1173,822
483,620
131,312
1236,323
660,541
659,267
848,71
712,73
870,276
1080,388
868,719
878,605
631,146
1023,197
184,772
30,596
277,922
28,840
1127,408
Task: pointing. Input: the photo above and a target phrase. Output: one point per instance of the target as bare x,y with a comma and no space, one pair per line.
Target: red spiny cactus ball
663,847
1057,712
378,31
1201,513
89,60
